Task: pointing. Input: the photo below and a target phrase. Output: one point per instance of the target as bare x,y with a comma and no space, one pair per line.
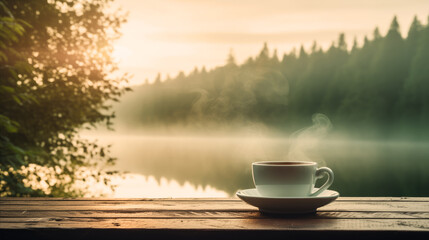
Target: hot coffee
289,179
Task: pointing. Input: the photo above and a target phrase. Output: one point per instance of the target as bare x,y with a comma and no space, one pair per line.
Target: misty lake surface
175,166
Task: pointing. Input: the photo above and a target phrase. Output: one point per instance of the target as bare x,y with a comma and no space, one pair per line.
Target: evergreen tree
231,59
414,100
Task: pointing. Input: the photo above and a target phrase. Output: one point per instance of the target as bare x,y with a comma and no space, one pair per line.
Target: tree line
378,89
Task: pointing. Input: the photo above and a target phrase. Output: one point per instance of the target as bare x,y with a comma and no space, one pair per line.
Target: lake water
159,166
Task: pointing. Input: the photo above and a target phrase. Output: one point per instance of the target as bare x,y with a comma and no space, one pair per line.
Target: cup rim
290,163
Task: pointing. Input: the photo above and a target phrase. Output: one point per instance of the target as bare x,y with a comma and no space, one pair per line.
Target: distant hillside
379,89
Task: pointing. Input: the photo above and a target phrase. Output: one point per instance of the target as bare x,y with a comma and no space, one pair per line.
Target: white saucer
289,205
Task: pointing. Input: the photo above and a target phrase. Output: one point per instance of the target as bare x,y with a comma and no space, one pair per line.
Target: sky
169,36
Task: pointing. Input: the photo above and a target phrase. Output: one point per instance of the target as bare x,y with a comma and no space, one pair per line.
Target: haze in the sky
168,36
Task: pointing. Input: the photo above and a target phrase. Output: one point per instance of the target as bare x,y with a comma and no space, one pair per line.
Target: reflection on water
209,167
139,186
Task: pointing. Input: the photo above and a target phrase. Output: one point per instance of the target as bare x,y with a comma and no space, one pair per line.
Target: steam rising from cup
305,142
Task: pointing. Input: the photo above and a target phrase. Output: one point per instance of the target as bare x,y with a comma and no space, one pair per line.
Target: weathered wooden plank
113,199
385,199
162,201
72,202
346,218
295,224
204,214
214,205
207,234
104,202
382,199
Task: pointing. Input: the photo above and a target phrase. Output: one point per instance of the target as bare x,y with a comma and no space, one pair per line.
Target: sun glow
121,53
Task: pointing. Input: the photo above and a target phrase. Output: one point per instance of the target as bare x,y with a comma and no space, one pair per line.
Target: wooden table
345,218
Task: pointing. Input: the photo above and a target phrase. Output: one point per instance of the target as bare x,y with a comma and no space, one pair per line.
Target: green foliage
55,79
378,90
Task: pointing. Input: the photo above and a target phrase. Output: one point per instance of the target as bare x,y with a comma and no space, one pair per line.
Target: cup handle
319,174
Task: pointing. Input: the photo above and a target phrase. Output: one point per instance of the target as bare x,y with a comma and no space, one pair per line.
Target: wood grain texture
366,199
206,214
345,218
232,224
203,205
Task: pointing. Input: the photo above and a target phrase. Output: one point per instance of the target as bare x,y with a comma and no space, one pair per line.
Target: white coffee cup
289,179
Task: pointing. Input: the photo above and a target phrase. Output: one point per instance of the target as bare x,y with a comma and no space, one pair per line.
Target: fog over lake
218,166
